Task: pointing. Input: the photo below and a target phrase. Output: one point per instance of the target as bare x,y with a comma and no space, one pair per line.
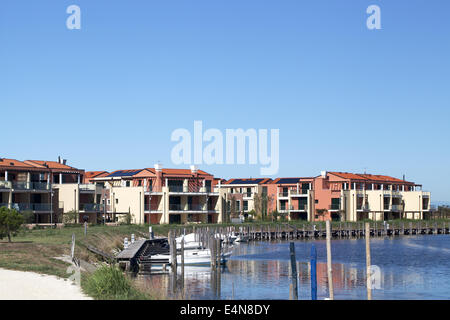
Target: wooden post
182,261
313,272
150,231
72,249
329,265
212,249
368,263
294,290
85,228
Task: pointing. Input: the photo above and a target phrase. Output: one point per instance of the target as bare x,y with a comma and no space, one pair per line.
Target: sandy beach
18,285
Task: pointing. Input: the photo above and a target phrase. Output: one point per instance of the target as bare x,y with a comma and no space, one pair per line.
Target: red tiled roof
51,165
11,163
368,177
95,174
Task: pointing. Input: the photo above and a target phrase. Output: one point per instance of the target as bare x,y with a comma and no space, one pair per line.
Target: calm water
411,267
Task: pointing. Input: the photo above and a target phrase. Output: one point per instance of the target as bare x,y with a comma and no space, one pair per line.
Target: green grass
110,283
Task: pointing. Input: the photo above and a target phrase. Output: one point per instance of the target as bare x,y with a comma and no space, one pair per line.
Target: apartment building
353,197
73,194
294,197
242,193
26,186
161,196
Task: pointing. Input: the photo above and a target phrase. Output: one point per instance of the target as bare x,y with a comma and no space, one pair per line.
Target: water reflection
415,267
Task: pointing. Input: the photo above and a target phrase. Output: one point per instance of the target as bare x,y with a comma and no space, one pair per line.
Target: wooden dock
136,258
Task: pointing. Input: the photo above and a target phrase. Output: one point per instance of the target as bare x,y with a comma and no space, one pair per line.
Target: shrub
109,283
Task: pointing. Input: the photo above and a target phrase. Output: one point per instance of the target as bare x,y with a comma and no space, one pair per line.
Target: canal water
408,267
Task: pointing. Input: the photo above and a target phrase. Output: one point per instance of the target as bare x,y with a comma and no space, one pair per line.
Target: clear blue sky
345,98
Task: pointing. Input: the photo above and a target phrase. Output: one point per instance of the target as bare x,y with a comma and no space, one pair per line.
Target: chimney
323,174
159,179
64,161
158,167
194,169
59,159
403,177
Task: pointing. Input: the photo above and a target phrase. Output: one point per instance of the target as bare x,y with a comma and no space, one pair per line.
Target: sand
18,285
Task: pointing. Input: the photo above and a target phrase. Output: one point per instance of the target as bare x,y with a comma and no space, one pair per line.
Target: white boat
193,257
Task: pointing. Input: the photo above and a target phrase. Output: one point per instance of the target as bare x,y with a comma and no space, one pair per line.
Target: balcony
283,194
32,206
363,207
91,207
23,185
189,207
5,185
87,187
301,207
151,207
334,207
300,192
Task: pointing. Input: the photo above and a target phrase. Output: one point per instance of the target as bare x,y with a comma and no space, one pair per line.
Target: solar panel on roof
246,181
288,180
124,173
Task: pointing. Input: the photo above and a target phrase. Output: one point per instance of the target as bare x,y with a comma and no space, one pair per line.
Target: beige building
161,196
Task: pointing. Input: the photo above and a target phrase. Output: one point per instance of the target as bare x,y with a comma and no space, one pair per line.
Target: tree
275,214
261,201
232,207
10,222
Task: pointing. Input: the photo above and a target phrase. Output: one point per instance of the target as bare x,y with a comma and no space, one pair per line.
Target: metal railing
5,185
300,191
93,207
87,187
31,206
283,194
334,206
176,189
301,207
150,207
363,207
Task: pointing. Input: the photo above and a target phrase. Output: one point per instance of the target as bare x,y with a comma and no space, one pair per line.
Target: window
238,205
316,201
127,183
139,183
245,205
117,201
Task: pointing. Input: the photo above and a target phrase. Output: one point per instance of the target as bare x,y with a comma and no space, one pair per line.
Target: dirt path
18,285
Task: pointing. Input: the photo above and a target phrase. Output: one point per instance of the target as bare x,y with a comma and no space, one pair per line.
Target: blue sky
345,98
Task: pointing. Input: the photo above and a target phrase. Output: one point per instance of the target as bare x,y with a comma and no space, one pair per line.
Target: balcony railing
294,192
396,207
176,189
92,207
176,207
31,206
5,184
189,207
283,194
87,187
364,207
24,185
301,207
150,207
334,206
